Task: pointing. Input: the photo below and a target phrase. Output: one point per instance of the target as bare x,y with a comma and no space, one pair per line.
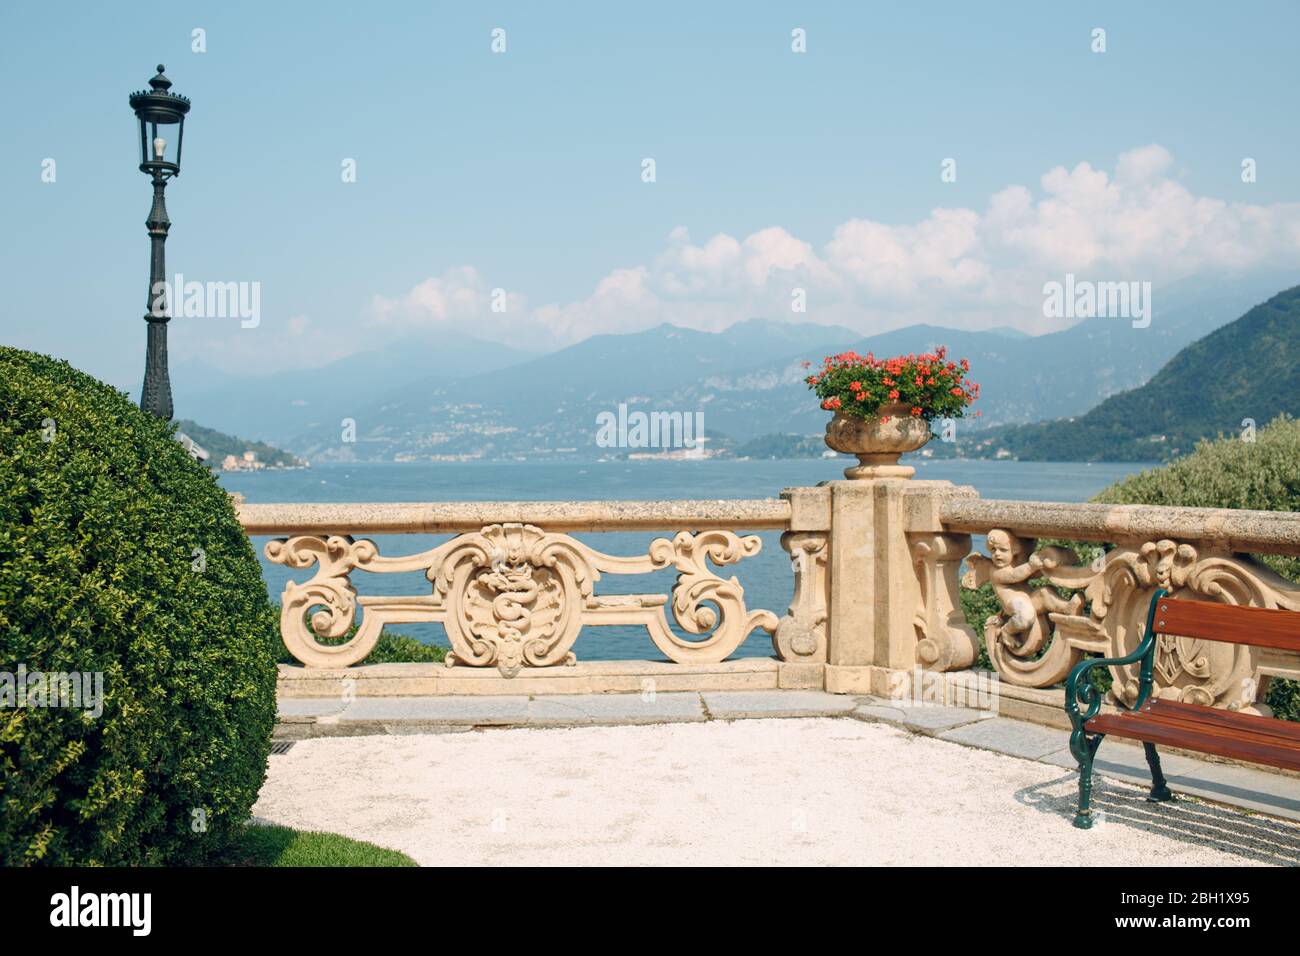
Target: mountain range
453,395
281,407
1239,377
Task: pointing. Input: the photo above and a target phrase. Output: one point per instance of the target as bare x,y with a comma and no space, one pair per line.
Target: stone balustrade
513,588
877,571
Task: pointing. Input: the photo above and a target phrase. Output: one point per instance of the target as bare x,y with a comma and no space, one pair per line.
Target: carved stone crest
521,593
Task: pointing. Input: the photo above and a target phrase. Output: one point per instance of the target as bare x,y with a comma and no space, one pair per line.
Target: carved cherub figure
1023,626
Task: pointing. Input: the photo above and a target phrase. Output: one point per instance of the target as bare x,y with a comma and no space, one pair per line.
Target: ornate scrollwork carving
701,600
944,641
1211,673
331,591
801,634
514,596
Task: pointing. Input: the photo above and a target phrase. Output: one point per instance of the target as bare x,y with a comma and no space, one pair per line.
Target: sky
516,180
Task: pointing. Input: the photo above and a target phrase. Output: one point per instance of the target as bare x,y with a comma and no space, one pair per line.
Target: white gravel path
804,791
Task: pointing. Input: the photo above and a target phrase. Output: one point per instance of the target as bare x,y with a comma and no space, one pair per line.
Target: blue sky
522,170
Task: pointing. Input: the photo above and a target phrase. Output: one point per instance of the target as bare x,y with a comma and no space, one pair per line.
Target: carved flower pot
878,443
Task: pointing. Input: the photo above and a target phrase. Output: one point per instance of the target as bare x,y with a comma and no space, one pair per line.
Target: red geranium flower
928,385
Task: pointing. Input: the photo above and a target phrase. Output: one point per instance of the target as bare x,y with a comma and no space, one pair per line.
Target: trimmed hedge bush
120,555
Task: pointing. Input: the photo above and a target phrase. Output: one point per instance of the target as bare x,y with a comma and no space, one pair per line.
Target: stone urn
878,443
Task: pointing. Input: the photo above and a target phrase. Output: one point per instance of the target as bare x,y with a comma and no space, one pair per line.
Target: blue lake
766,577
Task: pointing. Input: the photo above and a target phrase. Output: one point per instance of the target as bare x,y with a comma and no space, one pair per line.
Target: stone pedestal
879,579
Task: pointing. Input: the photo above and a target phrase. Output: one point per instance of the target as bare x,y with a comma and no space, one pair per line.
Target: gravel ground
809,791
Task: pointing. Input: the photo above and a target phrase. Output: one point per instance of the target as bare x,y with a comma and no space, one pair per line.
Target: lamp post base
156,394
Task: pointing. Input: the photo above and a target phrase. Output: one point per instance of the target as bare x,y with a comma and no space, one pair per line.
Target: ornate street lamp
156,108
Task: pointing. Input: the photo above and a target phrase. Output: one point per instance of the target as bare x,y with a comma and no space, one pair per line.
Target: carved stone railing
1054,609
877,568
513,588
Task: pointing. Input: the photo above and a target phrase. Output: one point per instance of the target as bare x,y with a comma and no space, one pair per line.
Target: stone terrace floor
785,777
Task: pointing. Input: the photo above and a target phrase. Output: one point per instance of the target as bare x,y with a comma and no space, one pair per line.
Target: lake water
766,577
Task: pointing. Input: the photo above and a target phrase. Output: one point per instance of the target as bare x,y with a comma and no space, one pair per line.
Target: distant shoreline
547,460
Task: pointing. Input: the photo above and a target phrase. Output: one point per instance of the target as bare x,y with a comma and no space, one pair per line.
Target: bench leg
1159,787
1083,819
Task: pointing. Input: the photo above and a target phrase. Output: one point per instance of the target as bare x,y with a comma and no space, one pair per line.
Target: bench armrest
1079,690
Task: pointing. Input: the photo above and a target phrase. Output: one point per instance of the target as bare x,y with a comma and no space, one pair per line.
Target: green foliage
861,385
404,649
978,606
1284,698
121,555
218,445
1263,475
1249,368
282,847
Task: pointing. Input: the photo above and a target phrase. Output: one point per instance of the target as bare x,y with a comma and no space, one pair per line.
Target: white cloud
1143,164
621,302
958,267
457,297
895,261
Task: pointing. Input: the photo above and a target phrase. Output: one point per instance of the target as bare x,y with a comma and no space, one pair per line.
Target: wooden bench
1208,730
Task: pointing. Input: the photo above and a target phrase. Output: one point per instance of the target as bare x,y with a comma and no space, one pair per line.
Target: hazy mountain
283,405
551,402
1248,369
747,381
1023,379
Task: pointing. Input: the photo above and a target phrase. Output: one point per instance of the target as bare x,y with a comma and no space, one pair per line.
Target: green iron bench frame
1187,726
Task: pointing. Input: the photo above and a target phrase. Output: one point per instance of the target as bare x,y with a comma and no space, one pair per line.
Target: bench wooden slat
1213,722
1146,718
1213,716
1172,723
1239,743
1217,730
1259,626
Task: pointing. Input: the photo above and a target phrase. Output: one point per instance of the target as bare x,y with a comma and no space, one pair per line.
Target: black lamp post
154,108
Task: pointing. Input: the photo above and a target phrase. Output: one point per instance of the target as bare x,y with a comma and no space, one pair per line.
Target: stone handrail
456,517
1259,532
512,587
